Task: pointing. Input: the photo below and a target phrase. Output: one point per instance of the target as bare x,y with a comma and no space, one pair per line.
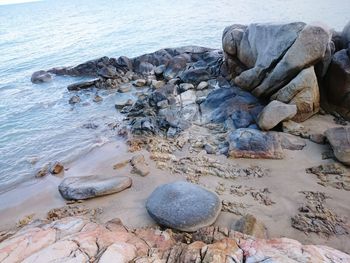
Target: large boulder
339,139
251,143
274,113
338,83
275,61
84,187
183,206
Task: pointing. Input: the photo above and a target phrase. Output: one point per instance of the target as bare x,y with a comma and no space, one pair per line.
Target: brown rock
249,225
56,168
139,165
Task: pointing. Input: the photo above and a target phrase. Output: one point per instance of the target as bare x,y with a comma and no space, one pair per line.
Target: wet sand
285,180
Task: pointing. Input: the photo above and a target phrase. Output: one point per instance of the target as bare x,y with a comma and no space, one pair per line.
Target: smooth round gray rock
84,187
183,206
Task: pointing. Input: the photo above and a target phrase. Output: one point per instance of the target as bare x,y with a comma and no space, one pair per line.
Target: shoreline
285,180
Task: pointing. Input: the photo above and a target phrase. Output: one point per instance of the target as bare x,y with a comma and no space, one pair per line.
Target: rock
84,187
175,66
195,76
210,149
125,88
337,83
318,138
82,85
339,139
302,91
41,76
107,72
56,168
119,252
123,102
97,98
157,84
185,86
42,171
187,97
90,125
346,35
251,143
163,104
139,165
291,142
74,99
249,225
202,85
159,70
183,206
140,82
274,113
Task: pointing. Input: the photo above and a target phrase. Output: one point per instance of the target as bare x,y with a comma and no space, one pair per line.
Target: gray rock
339,139
346,35
187,97
140,82
183,206
74,99
139,165
274,113
97,98
125,88
291,142
202,85
84,187
159,70
41,76
251,226
107,72
123,102
82,85
157,84
302,91
186,86
251,143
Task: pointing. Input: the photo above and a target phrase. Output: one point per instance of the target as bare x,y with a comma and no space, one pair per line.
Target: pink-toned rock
119,252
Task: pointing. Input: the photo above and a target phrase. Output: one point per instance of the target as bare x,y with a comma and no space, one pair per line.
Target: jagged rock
339,139
187,97
139,165
274,113
82,85
107,72
41,76
338,83
249,225
159,70
183,206
56,168
302,91
294,128
157,84
251,143
185,86
123,102
84,187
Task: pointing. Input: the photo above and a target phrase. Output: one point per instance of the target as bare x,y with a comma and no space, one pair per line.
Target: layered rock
78,239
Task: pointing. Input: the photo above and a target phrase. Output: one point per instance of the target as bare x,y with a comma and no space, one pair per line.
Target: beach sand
285,179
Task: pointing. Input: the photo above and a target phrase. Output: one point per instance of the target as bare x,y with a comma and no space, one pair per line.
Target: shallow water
37,125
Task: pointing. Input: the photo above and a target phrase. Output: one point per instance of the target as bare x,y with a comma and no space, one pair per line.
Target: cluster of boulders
79,239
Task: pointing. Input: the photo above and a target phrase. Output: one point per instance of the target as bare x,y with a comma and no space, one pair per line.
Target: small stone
183,206
122,103
90,125
139,165
163,104
56,168
159,70
125,88
140,82
172,132
42,171
41,76
339,139
82,85
74,99
157,84
97,98
210,149
291,142
293,128
174,81
84,187
318,138
185,86
202,85
249,225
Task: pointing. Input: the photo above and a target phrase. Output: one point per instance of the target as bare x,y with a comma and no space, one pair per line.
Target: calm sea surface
37,125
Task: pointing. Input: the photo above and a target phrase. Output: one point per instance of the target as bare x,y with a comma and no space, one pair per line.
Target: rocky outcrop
183,206
273,60
339,139
78,239
84,187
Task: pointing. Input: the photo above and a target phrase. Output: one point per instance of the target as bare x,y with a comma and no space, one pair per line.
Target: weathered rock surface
82,85
291,142
183,206
139,165
339,139
41,76
78,239
84,187
274,113
251,143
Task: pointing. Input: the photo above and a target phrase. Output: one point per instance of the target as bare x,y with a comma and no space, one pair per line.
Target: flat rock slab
339,139
85,187
183,206
251,143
